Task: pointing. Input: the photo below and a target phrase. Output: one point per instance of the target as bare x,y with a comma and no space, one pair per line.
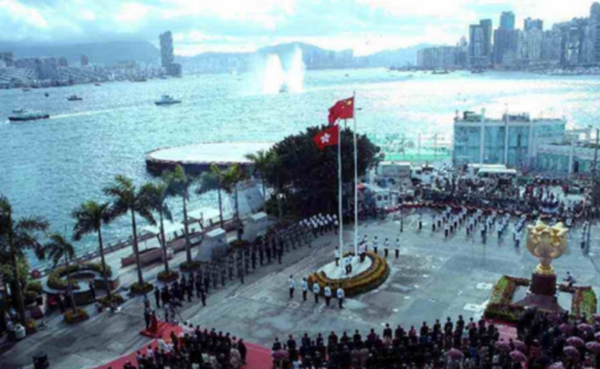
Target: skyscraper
507,21
530,24
595,26
480,43
166,49
84,60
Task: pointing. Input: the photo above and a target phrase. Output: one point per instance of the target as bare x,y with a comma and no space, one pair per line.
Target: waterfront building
511,140
480,43
530,24
166,49
595,25
440,57
62,62
167,56
507,21
551,46
505,46
84,61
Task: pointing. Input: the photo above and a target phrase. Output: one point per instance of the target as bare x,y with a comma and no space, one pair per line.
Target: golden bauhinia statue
546,243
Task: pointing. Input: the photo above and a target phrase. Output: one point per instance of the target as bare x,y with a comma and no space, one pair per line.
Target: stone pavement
433,278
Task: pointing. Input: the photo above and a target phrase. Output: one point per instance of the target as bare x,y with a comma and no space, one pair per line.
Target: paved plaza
433,278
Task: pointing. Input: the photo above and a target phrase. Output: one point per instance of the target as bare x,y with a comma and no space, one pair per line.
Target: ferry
21,115
167,100
74,98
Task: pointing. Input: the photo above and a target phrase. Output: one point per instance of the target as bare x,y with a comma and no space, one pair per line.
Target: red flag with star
328,137
343,109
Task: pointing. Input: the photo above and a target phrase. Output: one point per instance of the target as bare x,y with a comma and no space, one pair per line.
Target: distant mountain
314,58
391,58
106,53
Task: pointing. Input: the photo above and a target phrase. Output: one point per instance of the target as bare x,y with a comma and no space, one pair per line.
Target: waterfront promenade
433,278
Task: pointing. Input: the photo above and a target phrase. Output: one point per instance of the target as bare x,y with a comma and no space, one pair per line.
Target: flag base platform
365,276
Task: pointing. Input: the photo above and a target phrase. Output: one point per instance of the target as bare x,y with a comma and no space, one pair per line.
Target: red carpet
163,327
258,357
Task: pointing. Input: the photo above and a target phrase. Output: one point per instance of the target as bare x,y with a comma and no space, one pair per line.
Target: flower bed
366,281
190,267
73,318
56,281
165,277
141,290
117,298
238,244
583,302
500,306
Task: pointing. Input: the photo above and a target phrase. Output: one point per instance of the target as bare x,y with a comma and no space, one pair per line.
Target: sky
365,26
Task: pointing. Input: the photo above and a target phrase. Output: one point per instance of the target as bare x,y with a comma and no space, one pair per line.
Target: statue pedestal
542,294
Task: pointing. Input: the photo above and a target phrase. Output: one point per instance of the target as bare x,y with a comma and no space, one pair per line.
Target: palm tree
16,236
59,248
180,184
89,218
273,168
261,161
158,193
212,180
128,199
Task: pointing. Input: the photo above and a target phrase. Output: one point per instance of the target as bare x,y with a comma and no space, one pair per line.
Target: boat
74,98
26,89
167,100
436,72
22,115
139,79
97,84
46,94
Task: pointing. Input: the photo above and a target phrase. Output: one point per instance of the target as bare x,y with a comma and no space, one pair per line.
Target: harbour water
49,167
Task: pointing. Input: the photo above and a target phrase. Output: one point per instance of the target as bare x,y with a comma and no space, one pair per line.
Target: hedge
167,277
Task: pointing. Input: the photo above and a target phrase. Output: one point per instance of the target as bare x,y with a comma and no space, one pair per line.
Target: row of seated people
542,340
194,348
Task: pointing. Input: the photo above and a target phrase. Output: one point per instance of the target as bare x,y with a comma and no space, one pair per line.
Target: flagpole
355,178
341,219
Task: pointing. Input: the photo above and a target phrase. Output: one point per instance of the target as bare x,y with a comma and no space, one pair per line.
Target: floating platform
198,158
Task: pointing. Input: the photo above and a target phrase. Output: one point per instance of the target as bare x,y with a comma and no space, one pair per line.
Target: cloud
210,25
17,12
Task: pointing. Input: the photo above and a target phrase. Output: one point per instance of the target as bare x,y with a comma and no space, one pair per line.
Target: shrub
190,267
35,286
168,277
117,298
30,297
141,290
73,318
238,244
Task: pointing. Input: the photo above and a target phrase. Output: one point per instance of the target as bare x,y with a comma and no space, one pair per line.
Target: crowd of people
534,198
542,339
195,348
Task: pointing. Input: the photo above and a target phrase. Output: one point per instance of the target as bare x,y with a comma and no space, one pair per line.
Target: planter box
147,257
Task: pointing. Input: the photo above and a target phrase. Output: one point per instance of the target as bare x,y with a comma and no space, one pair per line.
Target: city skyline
365,26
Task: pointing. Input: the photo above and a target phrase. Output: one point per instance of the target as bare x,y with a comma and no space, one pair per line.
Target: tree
59,248
179,185
16,236
260,162
158,194
233,176
217,179
89,218
128,199
309,176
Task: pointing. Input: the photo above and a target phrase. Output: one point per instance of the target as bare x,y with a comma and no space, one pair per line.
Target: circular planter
141,290
168,278
366,281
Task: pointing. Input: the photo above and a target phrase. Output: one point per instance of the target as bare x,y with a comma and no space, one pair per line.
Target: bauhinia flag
343,109
328,137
